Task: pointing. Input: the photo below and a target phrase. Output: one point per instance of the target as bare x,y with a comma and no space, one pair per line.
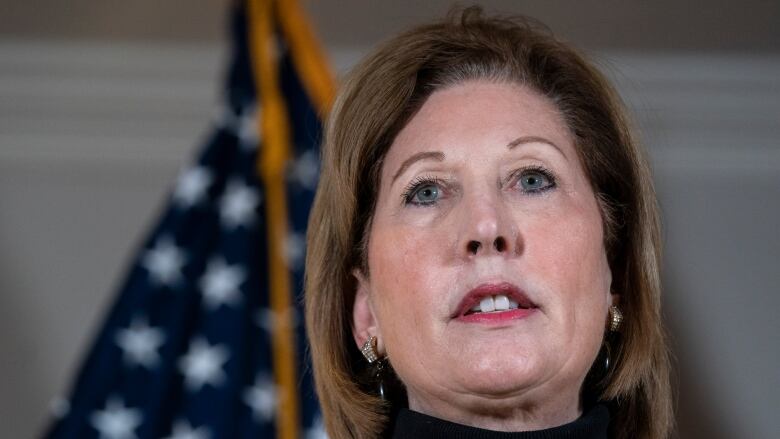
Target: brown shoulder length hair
378,98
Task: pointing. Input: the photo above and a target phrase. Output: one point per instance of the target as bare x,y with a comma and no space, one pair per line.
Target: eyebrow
439,156
434,155
534,139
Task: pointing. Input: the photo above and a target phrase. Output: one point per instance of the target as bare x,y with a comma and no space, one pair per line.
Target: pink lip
497,317
491,289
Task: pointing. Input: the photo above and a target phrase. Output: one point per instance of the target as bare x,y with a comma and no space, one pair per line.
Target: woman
483,251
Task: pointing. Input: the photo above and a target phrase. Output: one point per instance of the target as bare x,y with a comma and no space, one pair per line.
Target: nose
489,229
499,245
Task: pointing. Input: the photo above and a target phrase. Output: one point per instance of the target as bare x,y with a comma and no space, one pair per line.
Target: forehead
476,116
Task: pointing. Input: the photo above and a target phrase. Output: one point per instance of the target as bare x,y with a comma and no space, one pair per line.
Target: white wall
90,138
91,135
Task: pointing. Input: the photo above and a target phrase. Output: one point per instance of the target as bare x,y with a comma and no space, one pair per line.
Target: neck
516,413
593,424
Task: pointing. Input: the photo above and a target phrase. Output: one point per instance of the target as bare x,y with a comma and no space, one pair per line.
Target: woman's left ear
364,323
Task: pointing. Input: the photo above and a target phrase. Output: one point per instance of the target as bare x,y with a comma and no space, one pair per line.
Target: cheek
404,284
565,245
570,262
401,274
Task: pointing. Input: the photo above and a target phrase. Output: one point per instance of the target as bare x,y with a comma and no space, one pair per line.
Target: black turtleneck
593,424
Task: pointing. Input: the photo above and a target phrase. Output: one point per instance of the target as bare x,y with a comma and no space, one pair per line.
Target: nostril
499,244
473,246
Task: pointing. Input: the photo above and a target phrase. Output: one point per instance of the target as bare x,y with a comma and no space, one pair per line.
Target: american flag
191,347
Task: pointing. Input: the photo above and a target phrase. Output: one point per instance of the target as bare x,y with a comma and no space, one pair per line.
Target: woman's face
489,284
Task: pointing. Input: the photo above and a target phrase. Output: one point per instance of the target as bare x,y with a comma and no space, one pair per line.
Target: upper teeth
495,303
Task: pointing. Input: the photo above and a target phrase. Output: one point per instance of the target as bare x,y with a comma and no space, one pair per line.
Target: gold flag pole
272,159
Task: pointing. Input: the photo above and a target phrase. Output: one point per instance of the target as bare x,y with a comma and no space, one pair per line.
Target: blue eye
426,194
536,180
422,192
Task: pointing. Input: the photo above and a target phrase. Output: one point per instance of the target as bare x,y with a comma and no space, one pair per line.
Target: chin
500,376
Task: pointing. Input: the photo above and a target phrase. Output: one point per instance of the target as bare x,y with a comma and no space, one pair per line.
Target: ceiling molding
91,104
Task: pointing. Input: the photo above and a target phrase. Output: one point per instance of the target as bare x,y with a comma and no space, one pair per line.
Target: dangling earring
607,356
376,364
615,318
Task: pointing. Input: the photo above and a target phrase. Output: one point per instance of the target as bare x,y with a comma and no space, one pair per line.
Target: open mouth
497,303
488,299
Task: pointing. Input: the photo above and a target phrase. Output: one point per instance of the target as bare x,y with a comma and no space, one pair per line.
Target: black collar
593,424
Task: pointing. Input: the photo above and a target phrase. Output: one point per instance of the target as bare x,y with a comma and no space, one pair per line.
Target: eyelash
424,180
541,170
417,183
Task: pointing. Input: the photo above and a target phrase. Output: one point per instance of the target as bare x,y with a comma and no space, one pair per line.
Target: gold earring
369,350
615,318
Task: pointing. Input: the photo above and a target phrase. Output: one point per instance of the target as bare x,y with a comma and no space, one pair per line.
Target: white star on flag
248,132
183,430
220,284
116,421
140,342
203,364
262,398
305,170
192,186
294,250
164,262
317,430
238,204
